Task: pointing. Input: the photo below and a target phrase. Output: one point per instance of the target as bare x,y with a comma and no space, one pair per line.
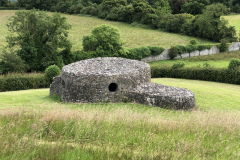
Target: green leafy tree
193,7
105,41
10,62
107,5
41,38
210,24
162,7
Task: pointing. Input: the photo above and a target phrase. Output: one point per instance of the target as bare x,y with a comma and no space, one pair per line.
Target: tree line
199,18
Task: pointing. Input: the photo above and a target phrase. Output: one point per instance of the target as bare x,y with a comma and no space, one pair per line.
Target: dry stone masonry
117,80
164,56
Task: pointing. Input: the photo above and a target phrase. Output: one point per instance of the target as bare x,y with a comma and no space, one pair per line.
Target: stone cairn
117,80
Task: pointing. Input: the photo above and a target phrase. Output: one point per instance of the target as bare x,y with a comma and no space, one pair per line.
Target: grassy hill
35,126
132,36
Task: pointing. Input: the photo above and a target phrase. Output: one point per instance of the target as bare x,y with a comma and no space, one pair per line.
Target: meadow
133,36
36,126
233,21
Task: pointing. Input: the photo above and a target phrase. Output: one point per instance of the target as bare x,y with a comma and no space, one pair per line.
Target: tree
10,62
193,7
162,7
3,2
210,25
41,38
105,41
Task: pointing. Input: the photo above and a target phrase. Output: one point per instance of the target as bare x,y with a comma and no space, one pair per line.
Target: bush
199,73
173,52
181,49
156,50
223,47
203,47
105,40
193,42
138,53
234,64
17,81
52,71
11,62
190,48
177,65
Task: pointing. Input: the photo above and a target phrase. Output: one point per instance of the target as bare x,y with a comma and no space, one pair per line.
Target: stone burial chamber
113,79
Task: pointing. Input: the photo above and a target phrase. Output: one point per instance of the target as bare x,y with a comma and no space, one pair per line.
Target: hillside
132,36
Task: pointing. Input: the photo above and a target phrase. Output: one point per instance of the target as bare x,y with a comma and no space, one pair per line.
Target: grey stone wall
117,80
213,50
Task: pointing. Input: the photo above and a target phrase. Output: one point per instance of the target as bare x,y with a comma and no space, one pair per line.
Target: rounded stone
102,79
117,80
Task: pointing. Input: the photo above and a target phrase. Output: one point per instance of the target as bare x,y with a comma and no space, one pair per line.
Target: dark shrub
138,53
156,50
52,71
199,73
178,65
234,64
193,42
16,81
223,47
173,52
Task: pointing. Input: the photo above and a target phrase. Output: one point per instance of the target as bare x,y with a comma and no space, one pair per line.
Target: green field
234,20
220,60
132,36
35,126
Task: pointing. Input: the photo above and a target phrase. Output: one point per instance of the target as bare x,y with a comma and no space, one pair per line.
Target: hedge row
204,73
23,81
132,53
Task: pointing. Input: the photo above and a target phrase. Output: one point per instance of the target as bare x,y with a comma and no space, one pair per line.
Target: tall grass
40,127
121,133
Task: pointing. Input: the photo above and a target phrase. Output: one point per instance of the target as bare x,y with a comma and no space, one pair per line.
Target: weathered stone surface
116,80
234,46
162,56
178,56
185,55
214,50
154,94
204,52
165,54
195,53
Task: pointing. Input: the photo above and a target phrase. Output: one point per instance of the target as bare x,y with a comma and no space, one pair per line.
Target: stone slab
204,52
234,46
185,55
214,50
195,53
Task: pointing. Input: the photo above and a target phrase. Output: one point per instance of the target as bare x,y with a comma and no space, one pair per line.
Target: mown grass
220,60
132,36
234,20
40,127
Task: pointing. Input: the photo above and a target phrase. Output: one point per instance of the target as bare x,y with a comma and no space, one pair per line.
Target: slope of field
35,126
132,36
234,20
